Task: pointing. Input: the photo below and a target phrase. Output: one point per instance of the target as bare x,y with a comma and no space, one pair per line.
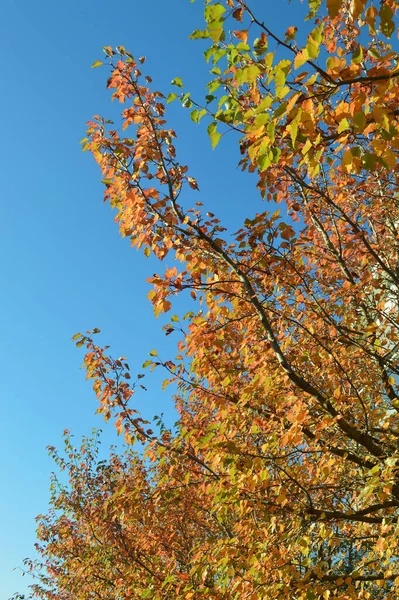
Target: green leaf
218,53
263,162
241,75
312,49
194,115
265,104
314,6
280,110
280,77
214,12
210,52
177,81
270,131
374,53
199,34
213,85
388,28
241,47
186,102
252,73
214,135
359,120
146,364
261,119
216,32
96,64
275,154
171,97
294,131
343,125
357,56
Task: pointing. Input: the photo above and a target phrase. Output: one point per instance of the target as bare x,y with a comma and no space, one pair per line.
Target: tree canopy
281,476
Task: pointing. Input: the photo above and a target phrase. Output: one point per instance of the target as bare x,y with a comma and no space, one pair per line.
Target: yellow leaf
307,147
347,161
343,125
389,158
301,58
356,8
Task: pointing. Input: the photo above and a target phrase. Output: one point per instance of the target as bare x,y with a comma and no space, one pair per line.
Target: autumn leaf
241,35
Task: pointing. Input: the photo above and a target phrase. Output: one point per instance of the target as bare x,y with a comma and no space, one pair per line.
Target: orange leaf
242,35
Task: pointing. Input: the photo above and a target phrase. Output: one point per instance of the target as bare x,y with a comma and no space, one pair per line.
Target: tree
281,478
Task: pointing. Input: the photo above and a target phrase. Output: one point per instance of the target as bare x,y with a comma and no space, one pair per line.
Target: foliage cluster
281,479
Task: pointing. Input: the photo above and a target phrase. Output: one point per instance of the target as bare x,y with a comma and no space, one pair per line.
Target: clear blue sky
63,266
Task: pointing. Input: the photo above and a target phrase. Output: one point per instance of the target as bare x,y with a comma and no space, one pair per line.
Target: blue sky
64,267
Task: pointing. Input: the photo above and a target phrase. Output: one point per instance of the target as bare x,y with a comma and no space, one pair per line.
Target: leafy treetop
281,477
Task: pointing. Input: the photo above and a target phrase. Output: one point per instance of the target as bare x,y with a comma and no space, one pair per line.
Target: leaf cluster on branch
281,478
